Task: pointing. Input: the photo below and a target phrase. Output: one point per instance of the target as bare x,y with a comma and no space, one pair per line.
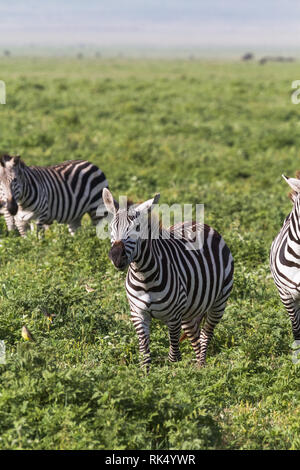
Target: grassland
197,132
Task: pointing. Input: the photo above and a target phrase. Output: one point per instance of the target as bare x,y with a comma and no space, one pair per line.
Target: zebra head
128,228
10,182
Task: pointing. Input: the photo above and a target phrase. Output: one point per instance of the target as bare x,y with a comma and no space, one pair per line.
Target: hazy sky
202,23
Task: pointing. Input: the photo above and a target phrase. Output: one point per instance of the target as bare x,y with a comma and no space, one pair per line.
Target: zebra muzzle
12,206
117,255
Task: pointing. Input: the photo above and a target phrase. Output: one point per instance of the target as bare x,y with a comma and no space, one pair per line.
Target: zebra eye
137,227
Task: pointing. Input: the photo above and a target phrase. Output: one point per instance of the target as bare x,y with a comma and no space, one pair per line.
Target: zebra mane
292,194
181,228
155,222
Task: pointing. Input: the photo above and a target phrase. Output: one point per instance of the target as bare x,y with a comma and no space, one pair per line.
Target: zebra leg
212,319
40,226
293,309
192,331
74,225
9,220
40,229
205,337
142,327
22,226
174,335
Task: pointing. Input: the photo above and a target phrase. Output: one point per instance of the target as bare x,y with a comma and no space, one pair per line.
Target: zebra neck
145,266
29,190
25,188
293,233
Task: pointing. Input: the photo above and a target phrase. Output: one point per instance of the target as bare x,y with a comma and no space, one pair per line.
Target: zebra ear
147,205
294,183
5,159
111,205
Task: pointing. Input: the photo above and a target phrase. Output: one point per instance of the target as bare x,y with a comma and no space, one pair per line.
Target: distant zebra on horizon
62,193
285,259
168,281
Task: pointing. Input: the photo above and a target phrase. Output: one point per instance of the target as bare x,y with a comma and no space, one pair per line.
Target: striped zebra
63,192
167,281
285,259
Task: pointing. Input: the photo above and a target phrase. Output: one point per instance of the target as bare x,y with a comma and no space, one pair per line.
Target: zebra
63,192
167,281
285,259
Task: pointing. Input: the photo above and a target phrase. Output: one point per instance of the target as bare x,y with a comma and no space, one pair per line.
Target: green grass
197,132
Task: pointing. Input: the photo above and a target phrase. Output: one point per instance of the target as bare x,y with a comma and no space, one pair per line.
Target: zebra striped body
285,264
62,193
169,282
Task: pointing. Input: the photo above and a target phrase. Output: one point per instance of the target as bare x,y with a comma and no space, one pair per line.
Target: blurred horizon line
149,50
120,51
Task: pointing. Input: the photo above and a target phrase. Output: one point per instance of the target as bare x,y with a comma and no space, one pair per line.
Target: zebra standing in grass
285,259
167,281
63,192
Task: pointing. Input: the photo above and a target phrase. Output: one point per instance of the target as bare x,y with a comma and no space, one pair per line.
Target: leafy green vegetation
197,132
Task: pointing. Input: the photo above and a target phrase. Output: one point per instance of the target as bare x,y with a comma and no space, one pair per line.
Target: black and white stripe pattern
62,193
9,219
167,281
285,260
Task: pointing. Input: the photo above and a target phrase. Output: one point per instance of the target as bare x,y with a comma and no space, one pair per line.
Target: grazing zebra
285,259
168,281
63,192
